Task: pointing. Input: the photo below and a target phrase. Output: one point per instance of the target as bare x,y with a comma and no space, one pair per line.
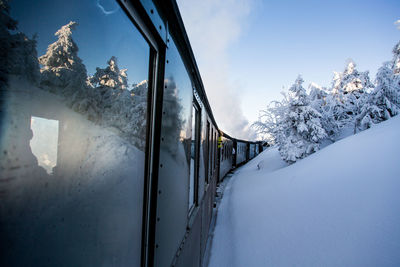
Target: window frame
197,117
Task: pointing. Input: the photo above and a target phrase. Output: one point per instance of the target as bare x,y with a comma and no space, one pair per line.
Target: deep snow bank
337,207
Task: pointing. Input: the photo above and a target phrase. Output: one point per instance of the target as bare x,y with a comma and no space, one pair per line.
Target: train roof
170,12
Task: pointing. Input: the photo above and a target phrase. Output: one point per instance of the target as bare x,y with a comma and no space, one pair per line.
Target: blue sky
274,41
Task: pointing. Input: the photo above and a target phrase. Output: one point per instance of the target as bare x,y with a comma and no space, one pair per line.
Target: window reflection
44,142
73,133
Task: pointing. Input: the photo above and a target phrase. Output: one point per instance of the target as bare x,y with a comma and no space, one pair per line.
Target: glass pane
193,159
207,164
73,134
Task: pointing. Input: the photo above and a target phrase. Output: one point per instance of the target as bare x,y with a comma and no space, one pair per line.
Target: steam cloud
212,27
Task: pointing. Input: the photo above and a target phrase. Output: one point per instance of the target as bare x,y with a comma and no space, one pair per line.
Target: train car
110,148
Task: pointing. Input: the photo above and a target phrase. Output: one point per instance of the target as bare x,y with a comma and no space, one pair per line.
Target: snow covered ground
338,207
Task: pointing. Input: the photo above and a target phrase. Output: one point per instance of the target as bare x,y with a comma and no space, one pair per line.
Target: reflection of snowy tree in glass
110,77
119,107
172,122
17,52
62,68
104,97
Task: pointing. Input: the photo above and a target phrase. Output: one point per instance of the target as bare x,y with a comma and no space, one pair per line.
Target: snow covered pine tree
323,102
384,101
350,91
300,127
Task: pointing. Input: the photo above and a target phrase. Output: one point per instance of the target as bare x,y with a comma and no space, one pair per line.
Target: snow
337,207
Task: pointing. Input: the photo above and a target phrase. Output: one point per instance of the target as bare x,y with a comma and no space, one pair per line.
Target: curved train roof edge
178,30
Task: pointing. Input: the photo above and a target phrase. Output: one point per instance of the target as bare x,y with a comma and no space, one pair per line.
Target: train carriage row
110,152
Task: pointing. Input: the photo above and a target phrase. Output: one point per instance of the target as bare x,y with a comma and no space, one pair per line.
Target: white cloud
397,22
107,12
212,27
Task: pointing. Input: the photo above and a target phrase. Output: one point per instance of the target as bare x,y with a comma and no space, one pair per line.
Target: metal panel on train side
190,254
172,209
206,214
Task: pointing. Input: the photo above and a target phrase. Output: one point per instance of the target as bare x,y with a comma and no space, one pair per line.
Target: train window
194,157
211,156
215,149
208,152
73,140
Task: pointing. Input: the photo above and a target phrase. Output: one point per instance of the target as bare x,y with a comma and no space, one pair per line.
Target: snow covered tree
350,89
396,59
300,129
63,70
267,125
323,102
18,53
384,101
396,66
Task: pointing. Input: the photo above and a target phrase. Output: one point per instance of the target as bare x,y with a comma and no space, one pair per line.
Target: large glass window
73,134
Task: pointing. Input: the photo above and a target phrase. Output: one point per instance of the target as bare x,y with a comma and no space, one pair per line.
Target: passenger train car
110,153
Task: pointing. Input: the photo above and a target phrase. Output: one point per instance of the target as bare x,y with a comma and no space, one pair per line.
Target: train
110,153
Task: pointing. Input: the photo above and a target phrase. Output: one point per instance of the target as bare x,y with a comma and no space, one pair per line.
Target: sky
248,51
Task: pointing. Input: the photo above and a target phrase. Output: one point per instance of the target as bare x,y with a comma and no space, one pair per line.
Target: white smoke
212,26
